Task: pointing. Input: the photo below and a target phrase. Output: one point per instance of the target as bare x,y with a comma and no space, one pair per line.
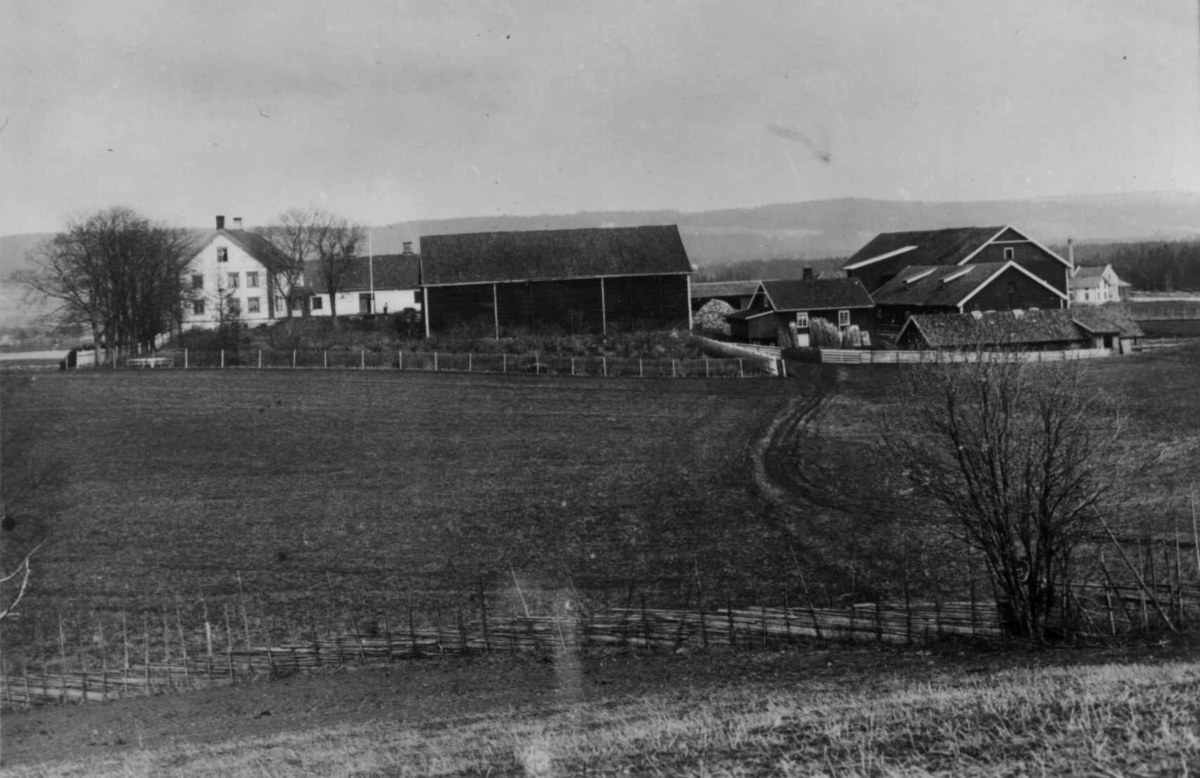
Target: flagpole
371,269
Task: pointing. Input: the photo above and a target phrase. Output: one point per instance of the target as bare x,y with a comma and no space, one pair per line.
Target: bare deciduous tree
116,273
1016,459
316,239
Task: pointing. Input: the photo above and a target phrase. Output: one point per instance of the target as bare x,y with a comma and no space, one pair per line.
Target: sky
396,111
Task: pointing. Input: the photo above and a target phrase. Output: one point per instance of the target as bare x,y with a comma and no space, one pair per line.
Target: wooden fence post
222,358
399,360
185,359
260,359
229,645
187,673
741,371
435,362
604,365
487,641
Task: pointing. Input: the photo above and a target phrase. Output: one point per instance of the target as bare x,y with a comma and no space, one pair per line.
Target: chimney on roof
408,252
1071,252
220,222
237,222
808,274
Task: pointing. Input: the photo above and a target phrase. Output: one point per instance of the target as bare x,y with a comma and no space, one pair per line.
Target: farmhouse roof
704,291
391,271
816,294
944,286
490,257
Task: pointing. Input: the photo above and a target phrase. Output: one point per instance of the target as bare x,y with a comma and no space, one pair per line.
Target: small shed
1053,330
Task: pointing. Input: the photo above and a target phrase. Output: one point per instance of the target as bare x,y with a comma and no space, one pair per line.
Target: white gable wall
216,281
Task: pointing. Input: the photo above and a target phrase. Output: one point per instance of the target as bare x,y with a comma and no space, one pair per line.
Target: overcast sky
393,111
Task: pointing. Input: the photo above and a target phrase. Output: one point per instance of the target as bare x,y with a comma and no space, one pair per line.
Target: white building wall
217,280
396,300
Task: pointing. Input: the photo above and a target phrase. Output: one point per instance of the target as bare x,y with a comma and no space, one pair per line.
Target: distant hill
803,231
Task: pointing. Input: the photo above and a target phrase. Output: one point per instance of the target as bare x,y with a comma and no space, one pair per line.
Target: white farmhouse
1095,286
234,270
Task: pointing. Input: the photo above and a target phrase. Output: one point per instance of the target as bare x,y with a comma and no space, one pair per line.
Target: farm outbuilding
736,294
1095,327
782,311
983,286
584,280
384,283
882,259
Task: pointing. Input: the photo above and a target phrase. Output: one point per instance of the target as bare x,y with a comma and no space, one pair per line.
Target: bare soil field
338,494
333,497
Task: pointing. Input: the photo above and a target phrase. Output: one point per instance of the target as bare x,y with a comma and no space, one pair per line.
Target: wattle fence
176,657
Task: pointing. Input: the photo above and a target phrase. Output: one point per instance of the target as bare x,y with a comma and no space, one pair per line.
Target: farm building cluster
921,289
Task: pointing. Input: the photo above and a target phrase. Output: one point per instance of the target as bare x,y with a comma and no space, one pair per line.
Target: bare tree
116,273
319,240
335,241
292,234
1016,458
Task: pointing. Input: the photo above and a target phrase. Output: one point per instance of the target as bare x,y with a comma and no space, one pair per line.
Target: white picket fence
868,357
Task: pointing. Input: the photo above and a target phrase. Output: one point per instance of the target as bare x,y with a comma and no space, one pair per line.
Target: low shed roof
1030,328
498,257
390,271
707,290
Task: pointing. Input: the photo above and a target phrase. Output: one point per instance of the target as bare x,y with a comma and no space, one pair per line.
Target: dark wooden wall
573,305
1026,293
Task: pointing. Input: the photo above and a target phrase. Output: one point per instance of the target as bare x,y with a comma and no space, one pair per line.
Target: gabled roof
945,286
254,244
488,257
924,247
953,246
1030,328
816,294
966,330
1106,320
391,271
704,291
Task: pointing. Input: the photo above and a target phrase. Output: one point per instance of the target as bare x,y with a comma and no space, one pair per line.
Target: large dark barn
586,280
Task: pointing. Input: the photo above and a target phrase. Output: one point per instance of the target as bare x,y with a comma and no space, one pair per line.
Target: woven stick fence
642,628
1101,609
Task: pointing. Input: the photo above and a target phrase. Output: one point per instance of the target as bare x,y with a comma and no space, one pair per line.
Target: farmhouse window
317,303
222,254
843,318
197,281
252,279
802,320
198,307
233,305
252,305
279,304
233,280
1009,253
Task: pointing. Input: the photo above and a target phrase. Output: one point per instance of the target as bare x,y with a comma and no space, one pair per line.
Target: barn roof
704,291
391,271
815,294
945,286
924,247
488,257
